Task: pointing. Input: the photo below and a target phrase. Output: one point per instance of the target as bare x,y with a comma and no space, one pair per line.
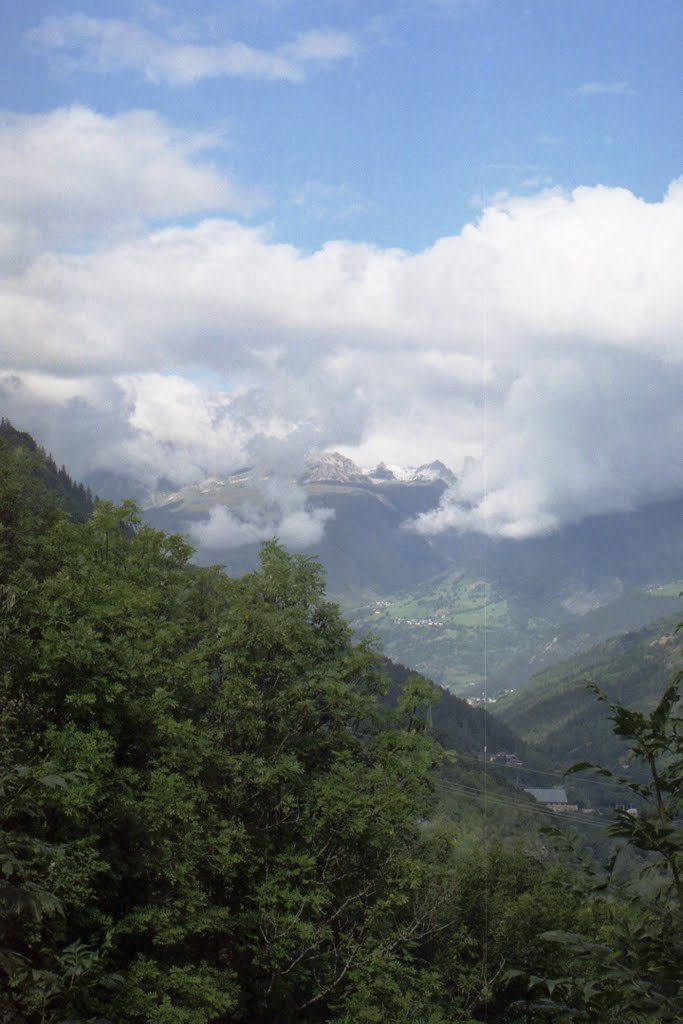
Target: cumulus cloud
539,352
146,428
581,434
73,175
105,45
548,271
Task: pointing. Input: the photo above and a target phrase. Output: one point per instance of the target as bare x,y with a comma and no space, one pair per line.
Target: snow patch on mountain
430,471
327,467
331,467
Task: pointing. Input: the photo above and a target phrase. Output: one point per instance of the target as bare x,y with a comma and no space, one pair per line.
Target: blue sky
233,232
429,108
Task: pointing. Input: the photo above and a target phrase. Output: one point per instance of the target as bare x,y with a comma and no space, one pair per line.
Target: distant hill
76,499
576,563
554,710
481,637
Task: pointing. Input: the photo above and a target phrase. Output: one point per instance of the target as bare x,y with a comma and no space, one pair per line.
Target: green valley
481,638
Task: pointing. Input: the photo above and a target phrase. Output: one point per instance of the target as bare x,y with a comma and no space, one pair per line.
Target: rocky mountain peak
331,467
435,471
382,472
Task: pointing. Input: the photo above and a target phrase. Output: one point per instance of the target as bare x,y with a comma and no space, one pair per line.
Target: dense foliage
209,817
633,965
457,724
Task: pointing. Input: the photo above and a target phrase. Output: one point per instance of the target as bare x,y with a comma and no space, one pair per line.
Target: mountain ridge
555,709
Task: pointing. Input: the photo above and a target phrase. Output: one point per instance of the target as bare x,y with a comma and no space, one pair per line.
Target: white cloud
544,342
224,530
145,427
283,515
105,45
584,433
604,89
74,175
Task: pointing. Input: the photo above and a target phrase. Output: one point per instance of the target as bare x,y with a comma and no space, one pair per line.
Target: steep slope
481,795
471,792
456,724
557,712
77,499
365,547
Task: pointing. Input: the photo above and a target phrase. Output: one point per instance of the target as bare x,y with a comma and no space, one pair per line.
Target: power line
556,775
533,808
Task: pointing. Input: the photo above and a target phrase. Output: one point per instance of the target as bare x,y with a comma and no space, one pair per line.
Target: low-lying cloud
225,529
579,436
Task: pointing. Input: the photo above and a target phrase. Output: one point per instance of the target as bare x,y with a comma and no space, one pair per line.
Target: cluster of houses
485,699
556,800
433,623
380,606
476,702
508,760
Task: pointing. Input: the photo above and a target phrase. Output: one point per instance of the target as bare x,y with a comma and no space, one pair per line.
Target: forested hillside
455,723
556,711
76,499
212,815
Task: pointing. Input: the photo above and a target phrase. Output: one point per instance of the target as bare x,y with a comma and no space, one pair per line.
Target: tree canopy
208,814
235,830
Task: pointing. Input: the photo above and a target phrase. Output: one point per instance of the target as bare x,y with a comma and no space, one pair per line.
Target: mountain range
476,614
365,547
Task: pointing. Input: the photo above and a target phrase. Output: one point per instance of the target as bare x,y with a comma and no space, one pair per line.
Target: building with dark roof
553,799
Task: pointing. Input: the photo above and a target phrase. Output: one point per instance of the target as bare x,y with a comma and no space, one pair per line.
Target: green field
674,589
479,637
